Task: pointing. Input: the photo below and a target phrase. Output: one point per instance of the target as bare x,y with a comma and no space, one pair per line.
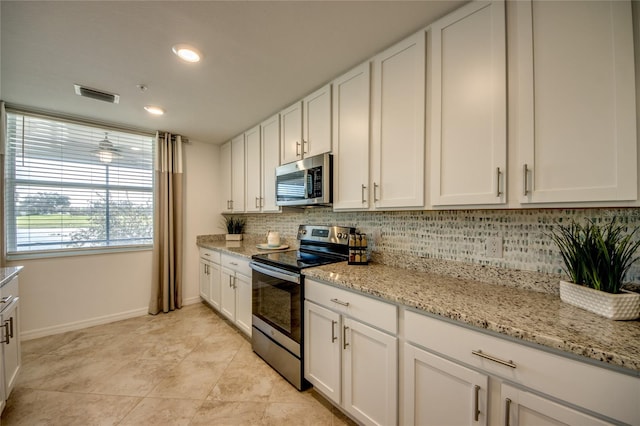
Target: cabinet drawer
568,379
238,264
11,288
210,255
366,309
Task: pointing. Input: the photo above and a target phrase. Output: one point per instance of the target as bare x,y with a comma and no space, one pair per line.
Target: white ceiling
259,57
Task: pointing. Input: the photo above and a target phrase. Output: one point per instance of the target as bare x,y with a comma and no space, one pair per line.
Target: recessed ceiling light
154,110
187,53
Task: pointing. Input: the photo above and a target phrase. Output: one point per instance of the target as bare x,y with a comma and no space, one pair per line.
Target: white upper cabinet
237,174
351,115
468,114
576,112
398,125
316,112
253,169
270,146
225,176
306,127
291,133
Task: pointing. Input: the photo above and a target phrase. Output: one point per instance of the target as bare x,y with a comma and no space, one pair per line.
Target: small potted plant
597,258
235,227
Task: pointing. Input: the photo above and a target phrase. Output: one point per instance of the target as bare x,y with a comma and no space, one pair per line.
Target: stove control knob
339,235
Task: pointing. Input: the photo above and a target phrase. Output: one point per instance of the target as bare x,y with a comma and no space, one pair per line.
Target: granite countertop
522,314
7,273
531,316
245,248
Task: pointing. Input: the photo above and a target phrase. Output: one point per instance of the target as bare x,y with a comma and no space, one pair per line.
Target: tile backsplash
454,235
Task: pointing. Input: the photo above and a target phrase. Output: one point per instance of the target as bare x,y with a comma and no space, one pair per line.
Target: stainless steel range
278,296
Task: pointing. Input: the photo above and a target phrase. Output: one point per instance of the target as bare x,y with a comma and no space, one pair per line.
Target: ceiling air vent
96,94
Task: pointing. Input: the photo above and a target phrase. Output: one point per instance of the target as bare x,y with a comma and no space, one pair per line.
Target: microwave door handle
308,186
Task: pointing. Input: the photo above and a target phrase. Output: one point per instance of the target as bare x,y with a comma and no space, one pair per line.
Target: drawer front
363,308
570,380
210,255
238,264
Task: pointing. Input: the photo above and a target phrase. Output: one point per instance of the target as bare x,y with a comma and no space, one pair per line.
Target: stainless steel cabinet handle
525,178
344,337
481,354
6,333
234,283
507,409
257,202
261,202
305,151
476,408
340,302
375,192
333,331
233,263
5,299
207,254
499,174
230,278
297,149
11,327
363,188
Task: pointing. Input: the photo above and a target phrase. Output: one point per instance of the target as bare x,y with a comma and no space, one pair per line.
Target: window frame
9,188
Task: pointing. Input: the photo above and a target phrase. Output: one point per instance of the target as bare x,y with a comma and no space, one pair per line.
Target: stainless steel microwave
305,183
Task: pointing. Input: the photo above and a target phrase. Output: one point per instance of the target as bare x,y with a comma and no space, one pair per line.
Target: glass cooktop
294,260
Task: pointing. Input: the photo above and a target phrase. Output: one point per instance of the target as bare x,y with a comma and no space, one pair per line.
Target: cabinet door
468,115
398,125
576,113
316,121
369,374
242,285
270,160
522,408
253,170
10,345
351,118
439,392
225,176
322,350
237,174
214,285
227,294
291,133
205,282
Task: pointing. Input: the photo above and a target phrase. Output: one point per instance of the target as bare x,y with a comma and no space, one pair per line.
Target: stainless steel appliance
305,183
278,296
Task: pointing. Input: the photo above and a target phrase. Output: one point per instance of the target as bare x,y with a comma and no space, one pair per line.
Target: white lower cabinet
351,352
10,360
235,291
442,392
210,277
444,361
523,408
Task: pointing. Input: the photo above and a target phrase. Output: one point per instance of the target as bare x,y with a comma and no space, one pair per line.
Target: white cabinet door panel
576,112
317,122
227,294
238,187
253,169
225,176
242,286
469,106
270,145
291,134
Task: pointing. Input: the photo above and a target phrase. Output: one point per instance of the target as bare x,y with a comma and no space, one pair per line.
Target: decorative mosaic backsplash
453,235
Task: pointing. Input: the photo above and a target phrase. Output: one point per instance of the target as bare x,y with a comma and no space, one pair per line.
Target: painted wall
66,293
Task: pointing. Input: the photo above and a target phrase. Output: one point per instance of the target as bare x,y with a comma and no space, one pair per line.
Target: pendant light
106,152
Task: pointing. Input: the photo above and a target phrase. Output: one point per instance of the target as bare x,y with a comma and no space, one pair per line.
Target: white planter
233,237
622,306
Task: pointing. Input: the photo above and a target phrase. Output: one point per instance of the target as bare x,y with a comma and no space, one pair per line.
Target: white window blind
73,186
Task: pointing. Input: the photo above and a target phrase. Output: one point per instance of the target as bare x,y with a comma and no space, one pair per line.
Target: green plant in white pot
597,258
235,227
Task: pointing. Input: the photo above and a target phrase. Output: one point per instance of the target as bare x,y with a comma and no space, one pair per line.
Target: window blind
74,186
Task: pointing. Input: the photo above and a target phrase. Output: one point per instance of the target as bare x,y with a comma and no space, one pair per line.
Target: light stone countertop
7,274
530,316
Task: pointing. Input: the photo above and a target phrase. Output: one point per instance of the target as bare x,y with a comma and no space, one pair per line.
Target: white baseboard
77,325
192,301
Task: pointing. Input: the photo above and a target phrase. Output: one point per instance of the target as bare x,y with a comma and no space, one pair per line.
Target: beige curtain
166,290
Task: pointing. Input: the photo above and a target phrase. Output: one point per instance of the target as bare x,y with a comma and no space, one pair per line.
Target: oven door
277,305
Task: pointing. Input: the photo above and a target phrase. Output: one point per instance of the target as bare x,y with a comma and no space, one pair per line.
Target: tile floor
188,367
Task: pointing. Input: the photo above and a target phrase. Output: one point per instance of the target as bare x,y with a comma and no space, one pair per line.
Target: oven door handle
276,273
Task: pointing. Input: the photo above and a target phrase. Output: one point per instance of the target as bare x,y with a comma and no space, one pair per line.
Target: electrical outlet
494,247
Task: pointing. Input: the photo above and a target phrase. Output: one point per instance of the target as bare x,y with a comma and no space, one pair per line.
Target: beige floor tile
221,413
239,383
161,411
136,378
287,413
35,407
189,379
49,344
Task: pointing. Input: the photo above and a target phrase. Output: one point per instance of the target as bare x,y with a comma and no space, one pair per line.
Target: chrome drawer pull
340,302
344,337
476,409
494,359
499,174
506,411
525,172
333,331
363,188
